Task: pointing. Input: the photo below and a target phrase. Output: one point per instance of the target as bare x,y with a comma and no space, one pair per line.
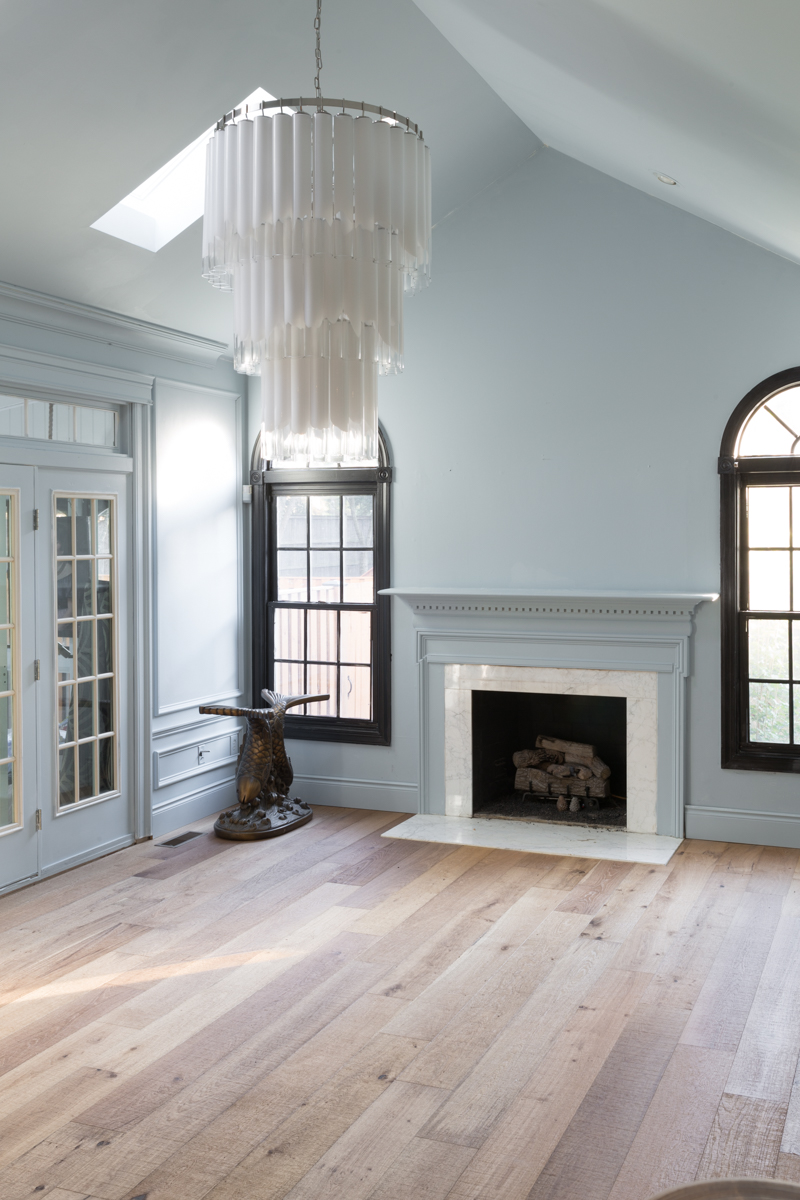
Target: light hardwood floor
334,1016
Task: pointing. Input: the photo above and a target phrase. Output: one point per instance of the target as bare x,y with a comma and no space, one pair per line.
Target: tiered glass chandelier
319,223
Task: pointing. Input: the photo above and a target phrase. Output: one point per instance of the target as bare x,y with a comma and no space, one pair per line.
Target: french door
65,787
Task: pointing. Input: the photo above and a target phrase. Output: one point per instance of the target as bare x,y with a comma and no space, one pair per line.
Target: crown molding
53,375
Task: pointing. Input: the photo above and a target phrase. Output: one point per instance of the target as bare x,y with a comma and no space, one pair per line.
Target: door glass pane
292,582
292,516
6,640
85,649
359,586
5,526
9,799
322,635
356,693
768,516
769,712
322,680
6,794
289,633
325,521
5,593
357,521
83,526
769,579
324,576
356,637
769,649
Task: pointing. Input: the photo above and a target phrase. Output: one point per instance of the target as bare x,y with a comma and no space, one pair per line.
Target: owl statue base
249,824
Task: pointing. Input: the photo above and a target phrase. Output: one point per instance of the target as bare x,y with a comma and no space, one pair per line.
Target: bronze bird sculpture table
263,773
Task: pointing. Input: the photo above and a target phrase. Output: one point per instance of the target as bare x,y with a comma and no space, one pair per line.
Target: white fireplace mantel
544,635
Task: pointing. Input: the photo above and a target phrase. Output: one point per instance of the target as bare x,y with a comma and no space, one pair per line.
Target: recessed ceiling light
171,199
666,179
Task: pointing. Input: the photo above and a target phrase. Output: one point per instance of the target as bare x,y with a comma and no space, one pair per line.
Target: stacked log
560,768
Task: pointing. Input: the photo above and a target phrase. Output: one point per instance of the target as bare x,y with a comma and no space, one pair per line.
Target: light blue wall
569,374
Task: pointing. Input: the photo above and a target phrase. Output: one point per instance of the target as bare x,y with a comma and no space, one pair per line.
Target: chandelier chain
317,24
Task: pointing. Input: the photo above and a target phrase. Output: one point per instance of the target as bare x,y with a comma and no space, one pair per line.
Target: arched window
320,559
759,470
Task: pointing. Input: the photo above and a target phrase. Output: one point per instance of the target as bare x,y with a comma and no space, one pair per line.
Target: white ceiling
705,91
98,94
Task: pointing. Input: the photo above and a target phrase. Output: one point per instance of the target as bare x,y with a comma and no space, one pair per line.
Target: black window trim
266,484
738,753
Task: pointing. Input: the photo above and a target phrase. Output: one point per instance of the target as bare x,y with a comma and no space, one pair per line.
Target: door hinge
36,518
37,669
38,818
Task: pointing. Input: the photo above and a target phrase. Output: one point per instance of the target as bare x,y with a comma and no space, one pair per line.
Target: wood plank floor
334,1016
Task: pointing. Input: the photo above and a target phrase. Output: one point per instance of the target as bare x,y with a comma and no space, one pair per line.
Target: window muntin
773,428
86,689
55,422
325,557
9,664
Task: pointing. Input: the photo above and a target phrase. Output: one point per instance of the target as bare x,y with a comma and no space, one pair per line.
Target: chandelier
319,222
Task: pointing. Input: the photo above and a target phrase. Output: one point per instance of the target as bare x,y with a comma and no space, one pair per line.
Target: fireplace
506,728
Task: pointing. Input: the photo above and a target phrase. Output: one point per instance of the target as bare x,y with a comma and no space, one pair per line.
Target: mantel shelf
549,602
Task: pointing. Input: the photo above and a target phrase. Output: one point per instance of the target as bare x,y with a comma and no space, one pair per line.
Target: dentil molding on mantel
543,602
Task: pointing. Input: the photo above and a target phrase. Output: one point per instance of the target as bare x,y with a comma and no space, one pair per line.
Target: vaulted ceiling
96,96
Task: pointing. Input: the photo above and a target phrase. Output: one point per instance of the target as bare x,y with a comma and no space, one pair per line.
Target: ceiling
96,96
706,92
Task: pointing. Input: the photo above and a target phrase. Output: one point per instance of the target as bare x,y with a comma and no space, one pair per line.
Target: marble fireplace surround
631,644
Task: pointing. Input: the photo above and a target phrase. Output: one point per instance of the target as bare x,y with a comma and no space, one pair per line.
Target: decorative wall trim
75,860
386,796
193,806
225,745
742,825
71,377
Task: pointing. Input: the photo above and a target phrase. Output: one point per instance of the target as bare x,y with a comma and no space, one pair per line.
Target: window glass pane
6,727
5,593
62,418
7,794
356,693
764,433
84,591
289,682
106,755
356,637
66,714
359,585
104,585
86,768
796,651
769,649
63,526
289,634
83,526
38,419
325,576
292,512
105,647
95,426
84,663
292,583
768,516
321,680
6,638
357,521
786,406
12,416
325,520
103,527
769,712
5,526
105,705
322,635
769,579
796,580
66,777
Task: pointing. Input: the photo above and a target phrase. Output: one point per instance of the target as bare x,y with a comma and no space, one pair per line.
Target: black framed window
321,557
760,587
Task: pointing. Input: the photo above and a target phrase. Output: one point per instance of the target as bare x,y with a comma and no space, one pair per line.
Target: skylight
170,200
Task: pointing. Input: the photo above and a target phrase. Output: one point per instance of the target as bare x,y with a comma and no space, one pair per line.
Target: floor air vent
178,841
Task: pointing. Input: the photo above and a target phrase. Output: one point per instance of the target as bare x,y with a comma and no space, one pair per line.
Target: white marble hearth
638,688
535,837
634,645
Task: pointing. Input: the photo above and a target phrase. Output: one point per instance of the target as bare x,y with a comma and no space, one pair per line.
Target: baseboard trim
357,793
743,825
193,806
